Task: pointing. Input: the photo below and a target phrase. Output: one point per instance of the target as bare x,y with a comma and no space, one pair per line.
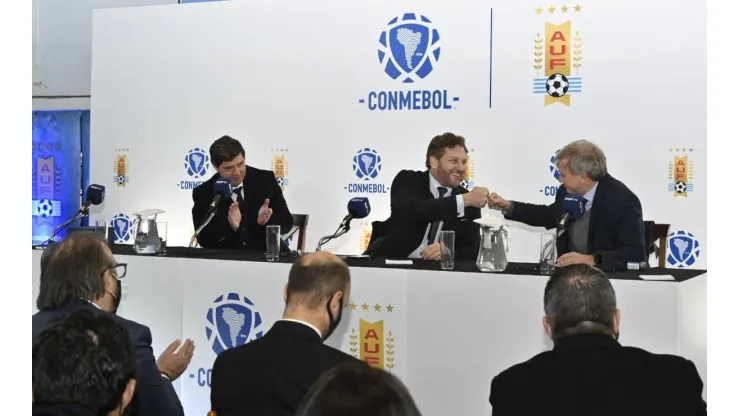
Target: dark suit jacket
269,376
154,394
61,410
258,185
413,207
615,228
587,375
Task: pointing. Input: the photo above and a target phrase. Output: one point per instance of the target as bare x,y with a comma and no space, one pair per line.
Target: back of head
72,270
84,360
584,156
579,299
315,278
356,389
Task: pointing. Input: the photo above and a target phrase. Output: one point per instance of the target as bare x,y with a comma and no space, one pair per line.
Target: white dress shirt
433,185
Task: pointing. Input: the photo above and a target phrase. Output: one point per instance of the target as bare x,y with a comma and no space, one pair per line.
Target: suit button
244,244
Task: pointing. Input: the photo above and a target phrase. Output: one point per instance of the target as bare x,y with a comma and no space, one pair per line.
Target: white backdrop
287,79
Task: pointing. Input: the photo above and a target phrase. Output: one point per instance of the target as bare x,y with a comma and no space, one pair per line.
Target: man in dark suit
611,232
257,201
270,375
588,372
84,365
80,273
425,203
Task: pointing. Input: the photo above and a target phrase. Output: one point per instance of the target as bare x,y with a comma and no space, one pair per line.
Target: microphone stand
342,230
209,218
80,215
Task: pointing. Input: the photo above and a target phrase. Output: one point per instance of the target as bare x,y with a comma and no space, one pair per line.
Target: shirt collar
589,196
304,323
434,184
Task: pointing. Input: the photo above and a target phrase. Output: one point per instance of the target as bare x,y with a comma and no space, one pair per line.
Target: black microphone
222,189
94,196
356,208
571,210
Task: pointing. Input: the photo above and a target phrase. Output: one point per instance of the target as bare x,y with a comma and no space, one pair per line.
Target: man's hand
264,213
432,252
575,258
496,202
478,197
173,364
235,215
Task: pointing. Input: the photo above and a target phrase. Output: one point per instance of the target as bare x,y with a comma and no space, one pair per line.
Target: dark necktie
583,204
435,225
238,192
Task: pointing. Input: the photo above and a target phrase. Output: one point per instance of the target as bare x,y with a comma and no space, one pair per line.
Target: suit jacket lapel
596,208
249,187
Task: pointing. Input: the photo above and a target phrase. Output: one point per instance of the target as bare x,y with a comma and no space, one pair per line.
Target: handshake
479,197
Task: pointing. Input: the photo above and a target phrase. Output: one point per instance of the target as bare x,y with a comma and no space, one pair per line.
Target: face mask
116,298
333,324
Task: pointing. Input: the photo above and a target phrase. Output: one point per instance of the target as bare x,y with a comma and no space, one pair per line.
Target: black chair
377,235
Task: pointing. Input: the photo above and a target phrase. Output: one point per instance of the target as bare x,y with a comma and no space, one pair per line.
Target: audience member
80,273
83,365
358,390
588,372
270,375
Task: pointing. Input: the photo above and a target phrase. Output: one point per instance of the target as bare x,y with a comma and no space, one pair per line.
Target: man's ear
546,326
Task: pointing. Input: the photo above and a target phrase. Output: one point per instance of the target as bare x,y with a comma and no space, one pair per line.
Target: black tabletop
679,275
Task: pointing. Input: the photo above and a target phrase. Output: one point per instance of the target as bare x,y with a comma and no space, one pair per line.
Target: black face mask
333,324
116,297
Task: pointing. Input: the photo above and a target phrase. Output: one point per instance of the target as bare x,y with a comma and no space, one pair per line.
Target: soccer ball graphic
557,85
232,321
45,208
680,187
367,164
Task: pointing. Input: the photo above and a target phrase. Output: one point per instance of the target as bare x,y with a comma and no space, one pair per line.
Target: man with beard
80,273
257,201
270,375
423,203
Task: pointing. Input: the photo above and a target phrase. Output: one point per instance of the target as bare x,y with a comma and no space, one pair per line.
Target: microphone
571,210
356,208
94,196
222,189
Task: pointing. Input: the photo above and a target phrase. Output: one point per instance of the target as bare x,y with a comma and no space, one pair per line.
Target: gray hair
580,299
584,156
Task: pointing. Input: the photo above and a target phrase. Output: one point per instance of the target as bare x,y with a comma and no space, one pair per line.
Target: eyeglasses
118,270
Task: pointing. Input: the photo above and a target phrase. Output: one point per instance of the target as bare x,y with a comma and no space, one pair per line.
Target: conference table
446,334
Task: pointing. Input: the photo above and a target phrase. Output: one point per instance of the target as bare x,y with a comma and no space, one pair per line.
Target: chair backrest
378,233
301,221
657,232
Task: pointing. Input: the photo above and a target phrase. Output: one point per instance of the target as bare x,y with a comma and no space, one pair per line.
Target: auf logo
231,322
409,48
122,228
683,249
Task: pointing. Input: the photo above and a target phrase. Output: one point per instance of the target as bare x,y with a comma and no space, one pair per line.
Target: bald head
315,278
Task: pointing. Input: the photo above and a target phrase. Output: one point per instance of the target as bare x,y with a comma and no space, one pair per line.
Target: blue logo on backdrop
408,50
196,166
122,228
683,249
367,165
552,190
231,321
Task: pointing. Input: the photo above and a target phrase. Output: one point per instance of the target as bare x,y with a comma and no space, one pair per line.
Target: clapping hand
265,213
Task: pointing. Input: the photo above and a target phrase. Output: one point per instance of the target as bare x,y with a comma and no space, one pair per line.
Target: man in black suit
84,365
257,201
424,203
270,375
611,232
80,273
588,372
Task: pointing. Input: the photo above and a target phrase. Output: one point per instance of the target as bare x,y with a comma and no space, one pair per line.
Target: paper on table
399,262
657,277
